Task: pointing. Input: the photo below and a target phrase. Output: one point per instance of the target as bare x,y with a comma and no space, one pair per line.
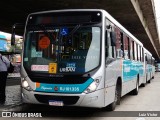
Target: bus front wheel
117,97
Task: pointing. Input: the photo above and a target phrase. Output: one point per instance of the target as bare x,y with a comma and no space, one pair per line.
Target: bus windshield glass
68,48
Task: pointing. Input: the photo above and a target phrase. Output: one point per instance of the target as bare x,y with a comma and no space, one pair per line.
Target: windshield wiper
74,29
43,28
45,31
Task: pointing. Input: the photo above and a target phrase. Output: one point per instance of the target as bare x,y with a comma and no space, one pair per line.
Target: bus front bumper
94,99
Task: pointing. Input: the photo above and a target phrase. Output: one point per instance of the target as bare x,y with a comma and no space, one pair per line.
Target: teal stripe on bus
64,88
131,69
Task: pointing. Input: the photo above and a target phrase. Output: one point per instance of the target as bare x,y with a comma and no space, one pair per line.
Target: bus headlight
93,86
25,85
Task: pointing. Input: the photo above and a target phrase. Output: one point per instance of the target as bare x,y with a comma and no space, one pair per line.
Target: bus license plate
55,103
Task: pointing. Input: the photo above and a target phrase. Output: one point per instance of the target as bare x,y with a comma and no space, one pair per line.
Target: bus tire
149,81
143,85
135,91
117,97
119,85
112,106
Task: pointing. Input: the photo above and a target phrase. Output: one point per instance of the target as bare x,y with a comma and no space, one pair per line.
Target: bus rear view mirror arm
14,27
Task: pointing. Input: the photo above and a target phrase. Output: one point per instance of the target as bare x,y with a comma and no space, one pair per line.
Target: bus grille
60,80
67,100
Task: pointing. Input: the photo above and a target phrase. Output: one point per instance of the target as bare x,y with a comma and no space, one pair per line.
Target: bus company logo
46,88
55,88
6,114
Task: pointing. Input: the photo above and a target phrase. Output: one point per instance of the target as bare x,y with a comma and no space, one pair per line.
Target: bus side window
126,47
129,48
109,49
110,53
118,43
146,58
113,40
122,45
150,60
142,55
153,61
106,44
137,52
133,50
107,39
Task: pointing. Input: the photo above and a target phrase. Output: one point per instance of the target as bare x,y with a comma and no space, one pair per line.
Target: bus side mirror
13,35
113,38
14,27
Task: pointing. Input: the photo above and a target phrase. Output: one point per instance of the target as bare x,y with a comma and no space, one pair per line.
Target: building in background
3,43
12,52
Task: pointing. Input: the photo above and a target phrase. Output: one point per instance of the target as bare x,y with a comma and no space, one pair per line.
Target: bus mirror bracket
13,35
13,38
113,38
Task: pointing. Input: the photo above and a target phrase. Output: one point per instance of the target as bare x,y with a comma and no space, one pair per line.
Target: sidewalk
13,97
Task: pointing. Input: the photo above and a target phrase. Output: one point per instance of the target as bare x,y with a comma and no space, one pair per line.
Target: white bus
149,66
79,57
153,67
157,69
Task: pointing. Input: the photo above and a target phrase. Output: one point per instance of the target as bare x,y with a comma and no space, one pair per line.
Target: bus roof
67,10
122,28
146,51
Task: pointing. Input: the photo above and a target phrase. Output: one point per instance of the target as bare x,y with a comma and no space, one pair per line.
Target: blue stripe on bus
131,69
64,88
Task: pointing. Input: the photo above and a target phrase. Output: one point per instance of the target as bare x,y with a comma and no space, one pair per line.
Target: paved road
146,102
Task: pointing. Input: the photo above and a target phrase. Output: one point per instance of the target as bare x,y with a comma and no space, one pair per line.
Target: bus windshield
64,42
62,49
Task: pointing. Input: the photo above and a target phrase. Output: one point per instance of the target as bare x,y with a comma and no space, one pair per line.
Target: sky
157,9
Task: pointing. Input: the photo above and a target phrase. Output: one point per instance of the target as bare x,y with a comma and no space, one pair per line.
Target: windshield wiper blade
42,26
38,27
75,29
